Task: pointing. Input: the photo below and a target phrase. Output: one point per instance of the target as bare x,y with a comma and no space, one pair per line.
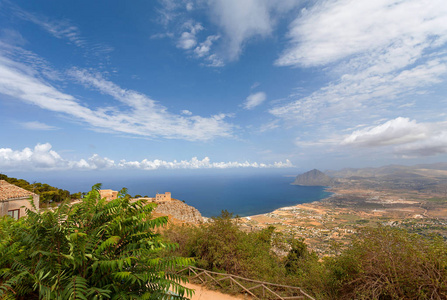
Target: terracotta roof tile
10,191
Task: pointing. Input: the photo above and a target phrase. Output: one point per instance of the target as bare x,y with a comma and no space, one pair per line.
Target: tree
90,250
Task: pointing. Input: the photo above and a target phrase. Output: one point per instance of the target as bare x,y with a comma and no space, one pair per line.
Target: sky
221,84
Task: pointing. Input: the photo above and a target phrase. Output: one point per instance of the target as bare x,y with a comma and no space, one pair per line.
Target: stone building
163,197
14,200
108,194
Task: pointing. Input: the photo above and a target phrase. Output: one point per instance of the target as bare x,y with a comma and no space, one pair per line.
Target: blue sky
221,84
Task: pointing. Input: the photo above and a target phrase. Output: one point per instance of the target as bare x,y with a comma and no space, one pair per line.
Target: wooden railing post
268,289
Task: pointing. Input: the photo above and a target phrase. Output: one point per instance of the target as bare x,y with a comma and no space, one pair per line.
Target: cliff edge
314,178
179,210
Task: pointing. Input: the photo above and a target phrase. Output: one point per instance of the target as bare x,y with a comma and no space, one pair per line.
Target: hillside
178,212
314,178
427,177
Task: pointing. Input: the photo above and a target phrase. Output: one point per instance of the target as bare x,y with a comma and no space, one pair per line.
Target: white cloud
214,60
35,125
141,116
186,112
254,85
189,6
43,158
332,30
242,20
409,138
381,54
393,132
435,144
254,100
188,38
61,29
269,126
204,48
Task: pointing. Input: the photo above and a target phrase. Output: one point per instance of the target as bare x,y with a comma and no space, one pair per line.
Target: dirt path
202,293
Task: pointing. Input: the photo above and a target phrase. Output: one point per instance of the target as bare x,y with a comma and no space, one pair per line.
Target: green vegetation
48,194
381,263
389,263
437,200
90,250
110,250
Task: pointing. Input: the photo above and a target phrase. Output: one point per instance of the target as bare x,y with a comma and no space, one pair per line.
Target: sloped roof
10,191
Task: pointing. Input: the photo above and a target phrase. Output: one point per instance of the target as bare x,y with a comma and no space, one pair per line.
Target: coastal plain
414,198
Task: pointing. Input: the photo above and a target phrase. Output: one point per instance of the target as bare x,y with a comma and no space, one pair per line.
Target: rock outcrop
314,178
179,210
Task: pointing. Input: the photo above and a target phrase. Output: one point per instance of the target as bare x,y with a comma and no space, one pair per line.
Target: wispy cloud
333,30
204,48
254,100
188,38
235,24
382,54
36,125
241,20
61,29
141,116
42,157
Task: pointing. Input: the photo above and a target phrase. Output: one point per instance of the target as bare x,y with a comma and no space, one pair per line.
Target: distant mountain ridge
422,170
314,178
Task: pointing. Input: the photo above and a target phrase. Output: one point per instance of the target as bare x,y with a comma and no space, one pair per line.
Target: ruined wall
163,197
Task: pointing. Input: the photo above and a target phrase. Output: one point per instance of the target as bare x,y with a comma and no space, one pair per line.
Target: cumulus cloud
35,125
43,158
140,116
409,138
393,132
254,100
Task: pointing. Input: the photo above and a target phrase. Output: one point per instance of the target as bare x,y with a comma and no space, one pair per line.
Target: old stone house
163,197
14,200
108,194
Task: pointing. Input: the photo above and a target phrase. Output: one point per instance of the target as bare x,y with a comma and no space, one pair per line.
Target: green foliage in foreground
90,250
381,263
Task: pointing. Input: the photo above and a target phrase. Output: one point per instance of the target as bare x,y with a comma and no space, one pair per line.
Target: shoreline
326,189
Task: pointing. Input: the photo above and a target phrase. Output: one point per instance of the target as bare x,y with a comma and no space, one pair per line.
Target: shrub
90,250
389,263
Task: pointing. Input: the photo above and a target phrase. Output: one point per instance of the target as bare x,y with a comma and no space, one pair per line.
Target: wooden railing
256,289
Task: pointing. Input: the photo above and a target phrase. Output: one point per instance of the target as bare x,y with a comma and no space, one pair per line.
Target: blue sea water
240,194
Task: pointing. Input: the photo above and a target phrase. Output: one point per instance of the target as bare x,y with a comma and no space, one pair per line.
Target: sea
240,194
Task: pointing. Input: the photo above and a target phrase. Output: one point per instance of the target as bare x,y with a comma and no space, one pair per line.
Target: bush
90,250
221,246
388,263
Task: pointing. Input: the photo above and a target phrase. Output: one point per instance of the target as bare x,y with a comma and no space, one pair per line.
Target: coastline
329,189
